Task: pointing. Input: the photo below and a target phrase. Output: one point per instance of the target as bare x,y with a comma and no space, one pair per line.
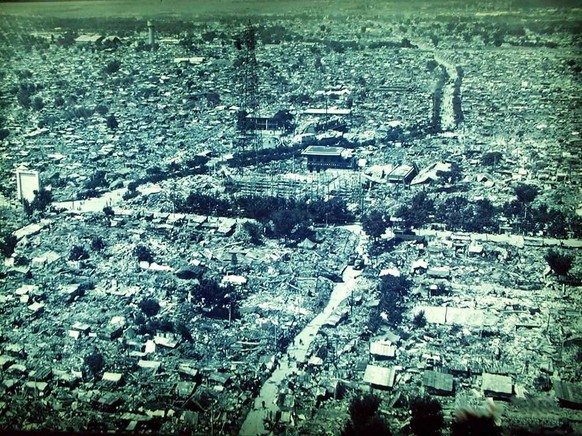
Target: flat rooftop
319,150
328,111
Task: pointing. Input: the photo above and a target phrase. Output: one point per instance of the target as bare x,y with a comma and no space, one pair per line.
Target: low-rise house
438,383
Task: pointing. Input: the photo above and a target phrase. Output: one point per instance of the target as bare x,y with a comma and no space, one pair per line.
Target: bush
42,199
113,66
469,423
364,419
525,193
149,306
37,103
94,362
254,231
97,243
542,383
112,123
491,158
374,224
560,263
419,319
132,186
78,252
427,417
97,180
59,101
7,244
143,254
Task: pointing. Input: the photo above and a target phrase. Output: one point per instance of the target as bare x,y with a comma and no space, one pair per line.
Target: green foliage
473,424
525,193
254,231
392,293
542,383
218,301
37,103
364,418
42,199
7,243
149,306
427,417
113,66
491,158
455,212
418,212
97,243
4,133
143,254
419,319
10,220
94,362
374,224
78,252
59,101
374,320
560,263
112,123
97,180
23,98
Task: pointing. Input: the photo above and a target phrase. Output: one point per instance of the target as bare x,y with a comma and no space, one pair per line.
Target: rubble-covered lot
120,311
187,360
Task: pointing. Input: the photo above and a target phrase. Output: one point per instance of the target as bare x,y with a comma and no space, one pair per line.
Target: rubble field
323,218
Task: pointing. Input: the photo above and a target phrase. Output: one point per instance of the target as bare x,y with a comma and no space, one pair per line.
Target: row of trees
458,213
427,419
281,217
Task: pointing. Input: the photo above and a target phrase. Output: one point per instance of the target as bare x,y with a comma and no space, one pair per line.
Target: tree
37,103
42,199
484,217
78,252
112,122
427,417
374,224
112,66
97,243
143,254
94,362
149,306
456,212
23,97
59,101
392,292
469,423
419,319
417,213
560,263
525,193
254,231
364,418
101,109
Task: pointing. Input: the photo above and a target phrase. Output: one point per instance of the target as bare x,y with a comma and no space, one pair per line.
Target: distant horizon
220,9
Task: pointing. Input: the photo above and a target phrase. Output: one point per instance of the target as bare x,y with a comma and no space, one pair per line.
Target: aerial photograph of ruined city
299,217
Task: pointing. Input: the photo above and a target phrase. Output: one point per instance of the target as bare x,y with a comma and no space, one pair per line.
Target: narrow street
265,407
